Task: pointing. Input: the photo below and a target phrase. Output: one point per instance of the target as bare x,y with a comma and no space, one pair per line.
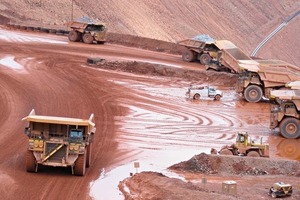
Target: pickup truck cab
196,92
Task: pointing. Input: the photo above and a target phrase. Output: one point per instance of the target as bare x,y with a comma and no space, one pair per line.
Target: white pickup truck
196,92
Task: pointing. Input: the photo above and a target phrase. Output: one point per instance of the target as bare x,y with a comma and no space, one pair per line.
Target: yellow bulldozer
244,146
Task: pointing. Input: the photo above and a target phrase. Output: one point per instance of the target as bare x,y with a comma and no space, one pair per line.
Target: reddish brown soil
66,86
56,81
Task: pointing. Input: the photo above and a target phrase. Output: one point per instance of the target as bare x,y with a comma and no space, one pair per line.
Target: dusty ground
141,111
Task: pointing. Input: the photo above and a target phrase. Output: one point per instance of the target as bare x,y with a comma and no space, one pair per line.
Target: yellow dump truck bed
32,117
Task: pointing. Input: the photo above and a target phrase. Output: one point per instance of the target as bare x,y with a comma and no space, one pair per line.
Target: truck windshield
76,135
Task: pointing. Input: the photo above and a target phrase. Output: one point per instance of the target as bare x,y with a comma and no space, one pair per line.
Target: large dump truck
285,112
220,55
59,142
201,48
87,32
258,77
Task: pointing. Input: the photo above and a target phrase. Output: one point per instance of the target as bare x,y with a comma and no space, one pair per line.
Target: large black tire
273,195
30,162
74,36
217,97
188,56
80,165
196,96
87,38
226,152
289,128
253,93
253,154
89,155
204,59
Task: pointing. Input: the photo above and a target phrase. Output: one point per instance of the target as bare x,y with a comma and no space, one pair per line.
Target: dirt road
135,114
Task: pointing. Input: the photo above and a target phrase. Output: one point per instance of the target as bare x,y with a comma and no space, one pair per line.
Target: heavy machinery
285,112
201,47
59,142
219,55
88,32
244,146
281,189
258,77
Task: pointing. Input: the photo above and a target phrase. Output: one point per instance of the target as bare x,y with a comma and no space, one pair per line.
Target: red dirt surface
55,80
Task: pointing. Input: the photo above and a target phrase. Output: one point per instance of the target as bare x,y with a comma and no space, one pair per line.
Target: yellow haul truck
87,32
258,77
59,142
285,112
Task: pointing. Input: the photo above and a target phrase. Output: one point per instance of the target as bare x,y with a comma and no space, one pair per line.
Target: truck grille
58,155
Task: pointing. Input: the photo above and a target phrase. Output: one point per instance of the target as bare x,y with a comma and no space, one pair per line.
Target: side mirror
27,131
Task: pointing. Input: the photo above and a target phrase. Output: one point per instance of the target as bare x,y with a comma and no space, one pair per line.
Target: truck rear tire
253,93
217,97
204,59
74,36
87,38
80,163
196,96
253,154
226,152
289,128
188,56
89,155
30,162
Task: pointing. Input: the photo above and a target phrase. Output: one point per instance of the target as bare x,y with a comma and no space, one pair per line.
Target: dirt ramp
145,68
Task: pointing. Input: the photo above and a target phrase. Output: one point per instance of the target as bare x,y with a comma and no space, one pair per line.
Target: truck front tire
30,162
87,38
80,165
289,128
204,59
253,93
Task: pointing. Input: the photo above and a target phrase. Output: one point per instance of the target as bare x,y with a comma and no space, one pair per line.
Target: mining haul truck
218,55
201,48
244,146
285,112
87,32
258,77
59,142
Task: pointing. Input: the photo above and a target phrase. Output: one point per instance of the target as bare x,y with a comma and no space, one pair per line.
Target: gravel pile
236,165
